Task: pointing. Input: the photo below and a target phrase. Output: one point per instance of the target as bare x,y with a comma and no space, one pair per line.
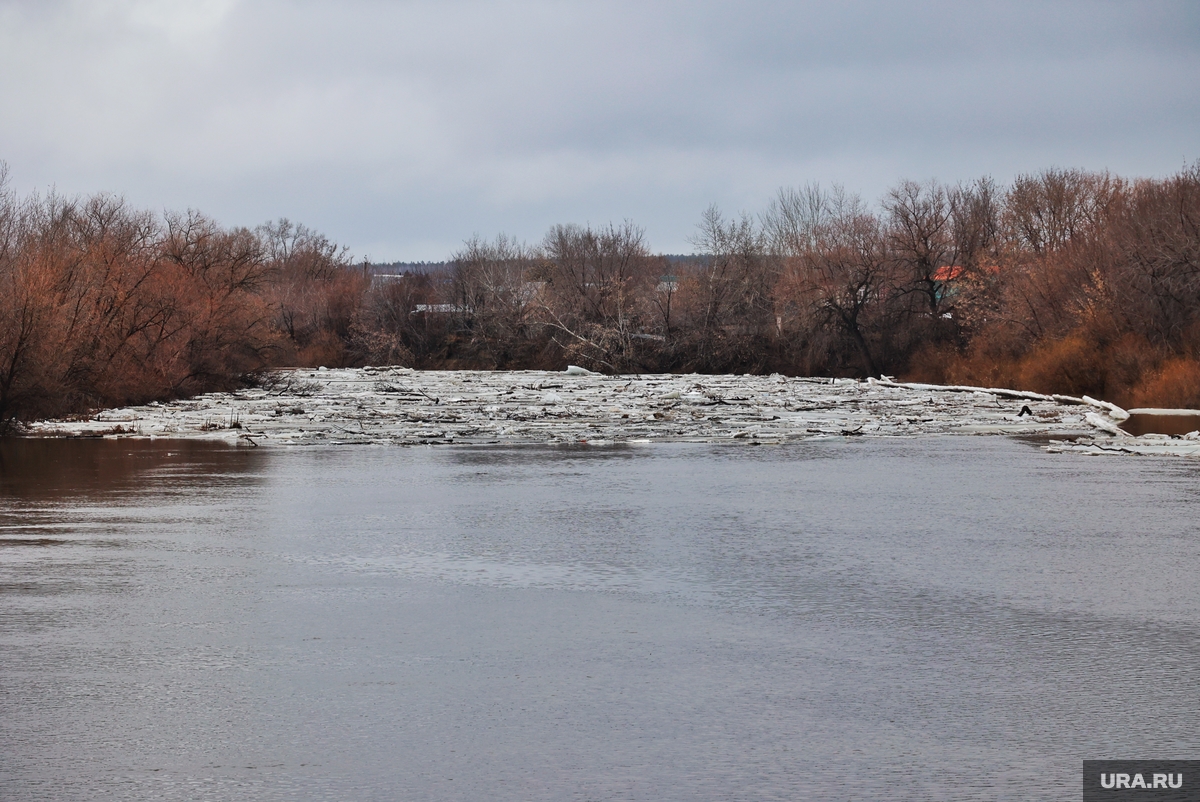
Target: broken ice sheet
409,407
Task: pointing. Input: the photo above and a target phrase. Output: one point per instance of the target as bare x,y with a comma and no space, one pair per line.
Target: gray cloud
402,128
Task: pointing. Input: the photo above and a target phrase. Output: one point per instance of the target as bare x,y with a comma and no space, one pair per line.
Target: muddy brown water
1140,423
938,618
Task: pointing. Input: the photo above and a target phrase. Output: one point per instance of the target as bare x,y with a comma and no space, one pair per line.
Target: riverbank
401,406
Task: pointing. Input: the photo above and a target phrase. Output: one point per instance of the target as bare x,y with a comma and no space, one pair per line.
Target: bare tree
225,273
1044,212
596,283
662,300
391,329
797,216
1148,255
313,289
492,285
975,209
727,302
921,237
493,295
838,268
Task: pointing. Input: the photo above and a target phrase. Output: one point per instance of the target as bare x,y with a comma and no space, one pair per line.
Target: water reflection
59,470
1180,423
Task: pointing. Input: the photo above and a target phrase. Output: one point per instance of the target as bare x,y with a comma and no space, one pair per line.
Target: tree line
1062,281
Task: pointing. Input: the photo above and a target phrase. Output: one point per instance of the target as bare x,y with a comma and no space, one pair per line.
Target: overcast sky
402,128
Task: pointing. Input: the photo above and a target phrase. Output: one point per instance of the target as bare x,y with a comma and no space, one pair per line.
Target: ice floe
410,407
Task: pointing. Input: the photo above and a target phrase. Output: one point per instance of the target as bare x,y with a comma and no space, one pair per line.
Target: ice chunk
1105,425
1114,411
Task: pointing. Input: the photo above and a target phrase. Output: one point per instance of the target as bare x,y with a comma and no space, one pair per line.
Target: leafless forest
1064,281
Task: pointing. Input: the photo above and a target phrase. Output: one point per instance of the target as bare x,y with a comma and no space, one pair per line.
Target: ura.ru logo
1138,781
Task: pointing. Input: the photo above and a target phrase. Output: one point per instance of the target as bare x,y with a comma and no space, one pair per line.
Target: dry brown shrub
324,348
1074,365
1175,385
1130,358
932,363
992,359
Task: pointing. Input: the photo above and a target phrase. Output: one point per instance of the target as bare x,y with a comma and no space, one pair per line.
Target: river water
943,618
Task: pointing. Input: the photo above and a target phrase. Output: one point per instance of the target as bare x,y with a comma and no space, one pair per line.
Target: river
936,618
